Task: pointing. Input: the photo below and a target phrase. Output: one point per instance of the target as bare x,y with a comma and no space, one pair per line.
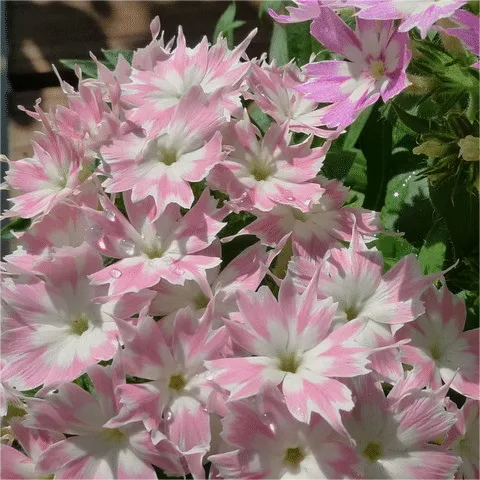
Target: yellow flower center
79,325
373,451
167,156
288,362
377,69
293,456
177,382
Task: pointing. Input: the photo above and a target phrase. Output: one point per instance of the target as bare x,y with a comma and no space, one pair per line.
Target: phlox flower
217,70
182,147
175,401
152,248
419,13
64,226
15,464
292,346
273,90
53,330
94,450
314,231
462,438
376,55
263,172
467,30
244,272
307,10
439,346
393,438
53,174
353,278
270,443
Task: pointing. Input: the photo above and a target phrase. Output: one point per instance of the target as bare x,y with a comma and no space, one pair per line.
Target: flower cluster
136,341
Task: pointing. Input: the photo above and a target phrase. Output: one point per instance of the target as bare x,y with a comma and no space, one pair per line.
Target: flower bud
431,148
421,85
469,148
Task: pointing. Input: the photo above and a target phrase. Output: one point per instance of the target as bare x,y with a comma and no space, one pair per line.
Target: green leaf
471,300
278,45
393,249
337,164
88,67
299,42
432,254
85,382
227,24
407,207
17,225
355,129
357,175
112,55
459,209
259,118
416,124
376,144
265,5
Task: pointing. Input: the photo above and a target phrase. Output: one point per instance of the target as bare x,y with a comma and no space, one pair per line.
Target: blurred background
40,32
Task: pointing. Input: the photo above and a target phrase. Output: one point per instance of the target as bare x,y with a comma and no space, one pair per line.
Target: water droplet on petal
167,415
127,247
272,427
290,198
109,214
210,376
115,273
101,244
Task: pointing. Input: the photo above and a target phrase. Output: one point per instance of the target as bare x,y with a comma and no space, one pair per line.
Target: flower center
15,410
299,215
351,313
113,435
260,169
435,352
377,69
201,301
288,362
293,456
373,451
154,251
177,382
167,155
79,325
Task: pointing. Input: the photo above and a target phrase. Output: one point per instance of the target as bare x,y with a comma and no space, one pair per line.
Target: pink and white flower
439,346
276,445
54,330
15,464
176,398
393,439
381,302
244,272
49,177
292,346
94,450
463,440
314,231
181,147
308,10
261,173
419,13
217,70
274,91
152,248
376,55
